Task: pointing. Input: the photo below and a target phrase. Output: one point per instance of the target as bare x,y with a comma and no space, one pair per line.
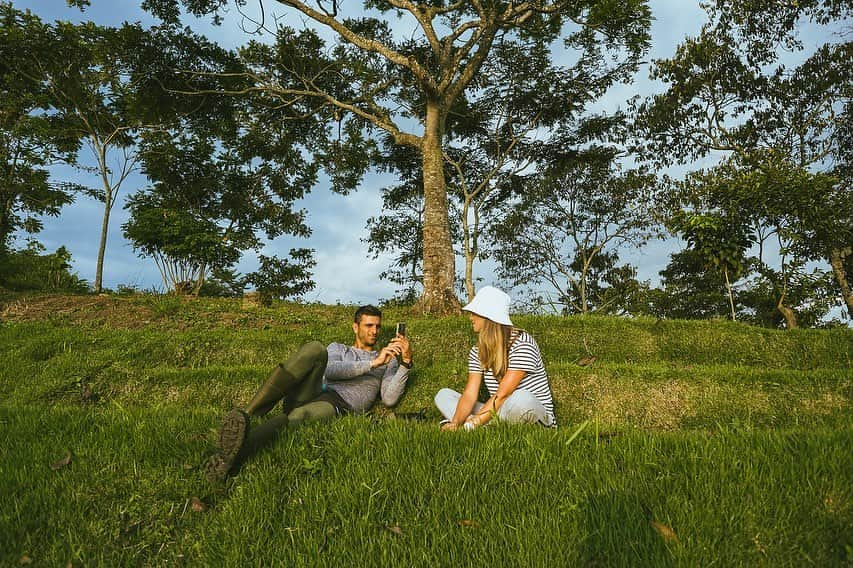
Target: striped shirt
524,356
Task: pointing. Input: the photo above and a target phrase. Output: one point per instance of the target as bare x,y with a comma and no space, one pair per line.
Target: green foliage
810,294
31,136
689,290
782,130
585,205
460,62
217,189
720,242
30,270
278,278
223,283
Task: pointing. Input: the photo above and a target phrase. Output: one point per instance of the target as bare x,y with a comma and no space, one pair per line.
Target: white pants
521,407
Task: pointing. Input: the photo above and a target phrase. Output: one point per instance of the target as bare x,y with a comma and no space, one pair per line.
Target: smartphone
401,328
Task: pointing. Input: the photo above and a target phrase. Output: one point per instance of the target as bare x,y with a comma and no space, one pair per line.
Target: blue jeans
521,407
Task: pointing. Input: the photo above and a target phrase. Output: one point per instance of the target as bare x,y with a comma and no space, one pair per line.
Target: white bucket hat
491,304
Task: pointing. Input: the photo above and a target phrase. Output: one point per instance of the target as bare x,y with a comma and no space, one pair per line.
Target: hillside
682,443
646,373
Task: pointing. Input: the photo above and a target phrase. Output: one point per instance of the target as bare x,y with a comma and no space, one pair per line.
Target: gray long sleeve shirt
349,374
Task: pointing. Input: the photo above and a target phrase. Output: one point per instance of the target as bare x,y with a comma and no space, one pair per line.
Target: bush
30,270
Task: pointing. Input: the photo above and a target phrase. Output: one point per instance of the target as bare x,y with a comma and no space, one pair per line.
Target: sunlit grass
685,443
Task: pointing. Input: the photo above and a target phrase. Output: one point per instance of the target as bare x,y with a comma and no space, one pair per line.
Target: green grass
738,439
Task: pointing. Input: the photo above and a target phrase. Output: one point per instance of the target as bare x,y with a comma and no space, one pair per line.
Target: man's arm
393,383
339,370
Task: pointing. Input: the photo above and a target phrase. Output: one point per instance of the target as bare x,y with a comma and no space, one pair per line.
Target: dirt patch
660,406
666,405
105,310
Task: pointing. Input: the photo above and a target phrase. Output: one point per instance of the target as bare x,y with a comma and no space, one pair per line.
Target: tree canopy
410,86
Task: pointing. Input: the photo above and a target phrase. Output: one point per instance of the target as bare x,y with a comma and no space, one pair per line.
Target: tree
217,186
81,74
610,288
378,80
731,93
399,229
583,206
809,295
721,242
32,138
28,269
689,290
281,279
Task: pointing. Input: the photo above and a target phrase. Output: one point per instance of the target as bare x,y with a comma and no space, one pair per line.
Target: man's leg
312,412
264,434
299,379
300,376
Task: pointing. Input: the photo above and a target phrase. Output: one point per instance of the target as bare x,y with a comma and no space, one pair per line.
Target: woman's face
476,321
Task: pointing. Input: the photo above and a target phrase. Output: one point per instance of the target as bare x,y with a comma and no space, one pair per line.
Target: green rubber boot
229,442
271,392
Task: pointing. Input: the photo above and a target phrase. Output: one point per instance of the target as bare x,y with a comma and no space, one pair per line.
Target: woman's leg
447,399
523,407
299,379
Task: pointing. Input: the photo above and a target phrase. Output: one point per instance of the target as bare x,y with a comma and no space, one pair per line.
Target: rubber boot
272,391
230,440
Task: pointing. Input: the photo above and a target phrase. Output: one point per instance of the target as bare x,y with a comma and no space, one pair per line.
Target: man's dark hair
367,310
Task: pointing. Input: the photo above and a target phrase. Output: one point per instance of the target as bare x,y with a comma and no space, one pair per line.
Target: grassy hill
683,443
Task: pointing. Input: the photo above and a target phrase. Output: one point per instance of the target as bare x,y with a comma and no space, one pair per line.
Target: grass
684,444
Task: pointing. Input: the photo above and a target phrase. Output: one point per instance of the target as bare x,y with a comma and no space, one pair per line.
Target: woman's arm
507,386
466,403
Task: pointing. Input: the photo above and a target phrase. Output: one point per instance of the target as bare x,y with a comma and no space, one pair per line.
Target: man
317,383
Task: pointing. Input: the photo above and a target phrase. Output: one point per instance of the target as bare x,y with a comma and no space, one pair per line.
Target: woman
508,360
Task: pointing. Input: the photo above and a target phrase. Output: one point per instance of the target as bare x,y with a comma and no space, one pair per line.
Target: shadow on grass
620,533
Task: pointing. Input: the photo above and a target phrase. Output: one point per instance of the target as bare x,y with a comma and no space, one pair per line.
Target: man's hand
402,343
385,355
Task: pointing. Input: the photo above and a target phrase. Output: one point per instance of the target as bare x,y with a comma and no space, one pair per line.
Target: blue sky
344,272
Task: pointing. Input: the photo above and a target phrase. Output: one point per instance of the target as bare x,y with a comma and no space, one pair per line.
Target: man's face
367,331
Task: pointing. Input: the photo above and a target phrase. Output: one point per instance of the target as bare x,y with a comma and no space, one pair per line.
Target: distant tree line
490,134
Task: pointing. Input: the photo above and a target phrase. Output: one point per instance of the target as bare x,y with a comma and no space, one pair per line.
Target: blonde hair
493,347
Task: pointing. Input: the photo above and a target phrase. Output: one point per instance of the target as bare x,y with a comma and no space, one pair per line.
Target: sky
344,271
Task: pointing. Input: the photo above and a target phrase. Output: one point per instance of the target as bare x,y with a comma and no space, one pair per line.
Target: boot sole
229,441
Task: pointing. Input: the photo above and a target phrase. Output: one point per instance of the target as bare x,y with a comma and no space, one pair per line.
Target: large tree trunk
439,271
836,259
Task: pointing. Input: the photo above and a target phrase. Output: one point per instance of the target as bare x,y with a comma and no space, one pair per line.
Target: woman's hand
473,421
449,427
